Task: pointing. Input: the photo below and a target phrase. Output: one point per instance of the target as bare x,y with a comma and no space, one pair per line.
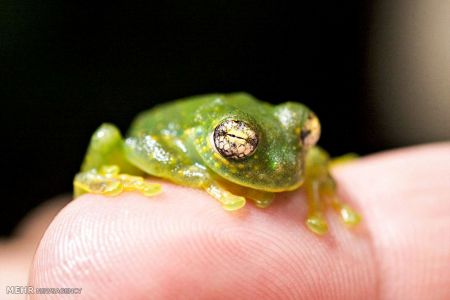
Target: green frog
233,146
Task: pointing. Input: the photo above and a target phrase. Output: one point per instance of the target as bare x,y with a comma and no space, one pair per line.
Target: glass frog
233,146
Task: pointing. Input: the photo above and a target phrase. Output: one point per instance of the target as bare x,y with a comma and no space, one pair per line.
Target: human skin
181,244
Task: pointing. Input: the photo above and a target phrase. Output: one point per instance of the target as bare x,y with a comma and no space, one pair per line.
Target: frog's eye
235,139
311,131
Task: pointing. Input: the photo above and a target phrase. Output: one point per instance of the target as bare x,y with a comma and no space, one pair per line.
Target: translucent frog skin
233,146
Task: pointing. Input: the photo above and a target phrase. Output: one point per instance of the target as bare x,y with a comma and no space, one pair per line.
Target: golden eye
235,139
311,131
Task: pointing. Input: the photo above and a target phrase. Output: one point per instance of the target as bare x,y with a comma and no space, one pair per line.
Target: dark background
66,68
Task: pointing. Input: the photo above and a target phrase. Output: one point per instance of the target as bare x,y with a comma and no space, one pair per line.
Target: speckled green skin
175,136
175,141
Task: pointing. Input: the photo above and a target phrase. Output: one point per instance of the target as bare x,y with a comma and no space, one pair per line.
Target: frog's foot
316,222
321,190
260,198
318,197
262,203
228,200
110,182
347,215
343,160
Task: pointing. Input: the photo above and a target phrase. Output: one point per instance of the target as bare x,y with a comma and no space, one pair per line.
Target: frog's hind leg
320,187
105,169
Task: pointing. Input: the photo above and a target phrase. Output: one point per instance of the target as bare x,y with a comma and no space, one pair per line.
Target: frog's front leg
261,199
320,189
228,200
162,156
102,166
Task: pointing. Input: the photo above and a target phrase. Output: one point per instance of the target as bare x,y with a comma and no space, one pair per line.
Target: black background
66,68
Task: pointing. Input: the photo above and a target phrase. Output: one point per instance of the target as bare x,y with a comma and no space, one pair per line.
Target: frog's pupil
235,139
235,136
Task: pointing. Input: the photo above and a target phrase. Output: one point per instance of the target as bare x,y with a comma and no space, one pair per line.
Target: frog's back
169,118
173,118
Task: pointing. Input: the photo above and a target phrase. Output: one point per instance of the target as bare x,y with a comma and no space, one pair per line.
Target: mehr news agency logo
27,289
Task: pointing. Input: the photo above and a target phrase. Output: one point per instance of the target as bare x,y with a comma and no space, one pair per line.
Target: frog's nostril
311,131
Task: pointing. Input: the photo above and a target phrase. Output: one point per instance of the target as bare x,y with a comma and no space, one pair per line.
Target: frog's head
260,146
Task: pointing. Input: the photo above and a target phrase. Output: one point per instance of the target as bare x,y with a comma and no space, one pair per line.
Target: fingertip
404,199
133,246
181,241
